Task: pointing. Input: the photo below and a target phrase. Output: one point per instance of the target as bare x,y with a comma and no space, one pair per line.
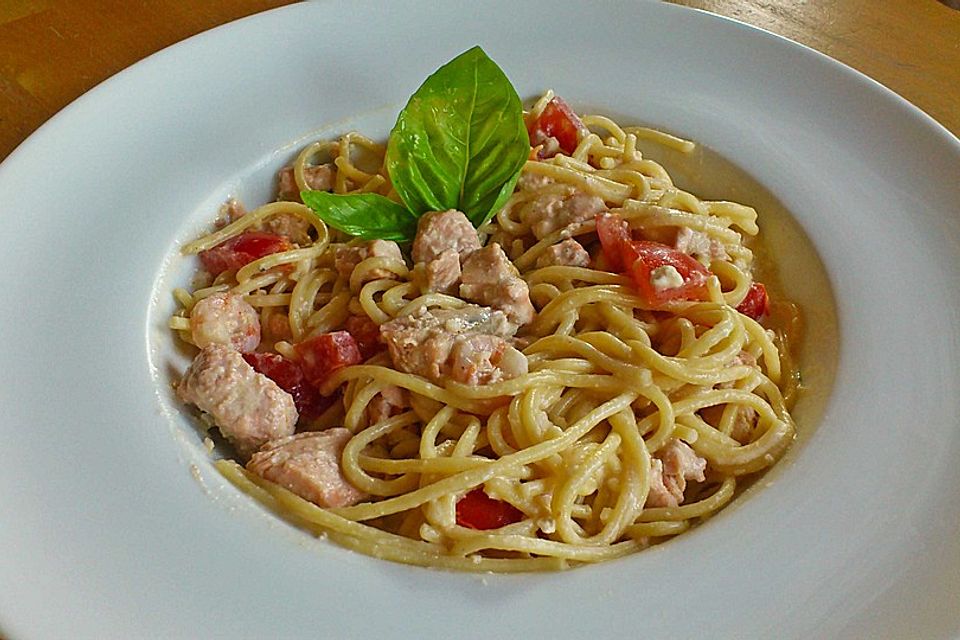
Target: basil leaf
460,142
365,215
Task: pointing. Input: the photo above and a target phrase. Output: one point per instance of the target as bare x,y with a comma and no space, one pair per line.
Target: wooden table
51,51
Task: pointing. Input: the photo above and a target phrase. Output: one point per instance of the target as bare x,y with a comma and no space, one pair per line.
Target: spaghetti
576,451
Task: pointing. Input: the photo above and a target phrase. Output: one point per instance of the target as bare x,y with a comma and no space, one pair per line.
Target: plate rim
103,88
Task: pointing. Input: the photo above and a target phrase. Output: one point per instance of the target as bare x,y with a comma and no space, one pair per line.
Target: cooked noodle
569,444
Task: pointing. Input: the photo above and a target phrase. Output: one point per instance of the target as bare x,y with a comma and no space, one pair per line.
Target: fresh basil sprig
459,143
365,215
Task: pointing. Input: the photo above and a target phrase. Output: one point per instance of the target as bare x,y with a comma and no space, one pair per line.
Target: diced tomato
477,510
756,304
241,250
614,233
367,334
557,120
322,355
640,258
653,255
289,376
285,373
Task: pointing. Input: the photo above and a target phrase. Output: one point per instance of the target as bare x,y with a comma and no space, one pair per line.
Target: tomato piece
322,355
285,373
477,510
654,255
240,250
289,376
367,334
641,258
557,120
756,304
614,233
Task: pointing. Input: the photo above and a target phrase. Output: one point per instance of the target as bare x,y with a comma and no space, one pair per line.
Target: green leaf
460,142
365,215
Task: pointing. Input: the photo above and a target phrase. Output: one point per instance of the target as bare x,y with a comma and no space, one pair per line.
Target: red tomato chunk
756,304
477,510
653,255
367,334
614,234
640,258
321,356
241,250
289,376
557,120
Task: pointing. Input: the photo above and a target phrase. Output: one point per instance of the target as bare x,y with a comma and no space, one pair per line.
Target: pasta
627,424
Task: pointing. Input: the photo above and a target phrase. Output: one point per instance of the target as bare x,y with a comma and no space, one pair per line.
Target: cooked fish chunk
744,423
699,245
568,253
441,274
478,358
308,464
552,211
319,178
444,239
389,402
532,181
671,467
490,279
347,257
248,407
465,345
440,231
290,225
225,318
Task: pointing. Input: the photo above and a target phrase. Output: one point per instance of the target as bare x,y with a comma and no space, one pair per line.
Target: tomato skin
240,250
284,372
477,510
614,233
557,120
367,334
652,255
289,376
756,304
639,258
320,356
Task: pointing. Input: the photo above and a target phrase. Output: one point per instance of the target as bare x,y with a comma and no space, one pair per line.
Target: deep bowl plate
114,524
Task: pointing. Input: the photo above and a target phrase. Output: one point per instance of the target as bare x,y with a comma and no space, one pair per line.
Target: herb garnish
459,143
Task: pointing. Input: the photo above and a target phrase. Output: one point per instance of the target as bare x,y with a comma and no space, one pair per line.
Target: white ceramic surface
114,525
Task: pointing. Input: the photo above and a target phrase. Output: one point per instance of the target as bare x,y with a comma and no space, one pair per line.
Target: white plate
112,522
